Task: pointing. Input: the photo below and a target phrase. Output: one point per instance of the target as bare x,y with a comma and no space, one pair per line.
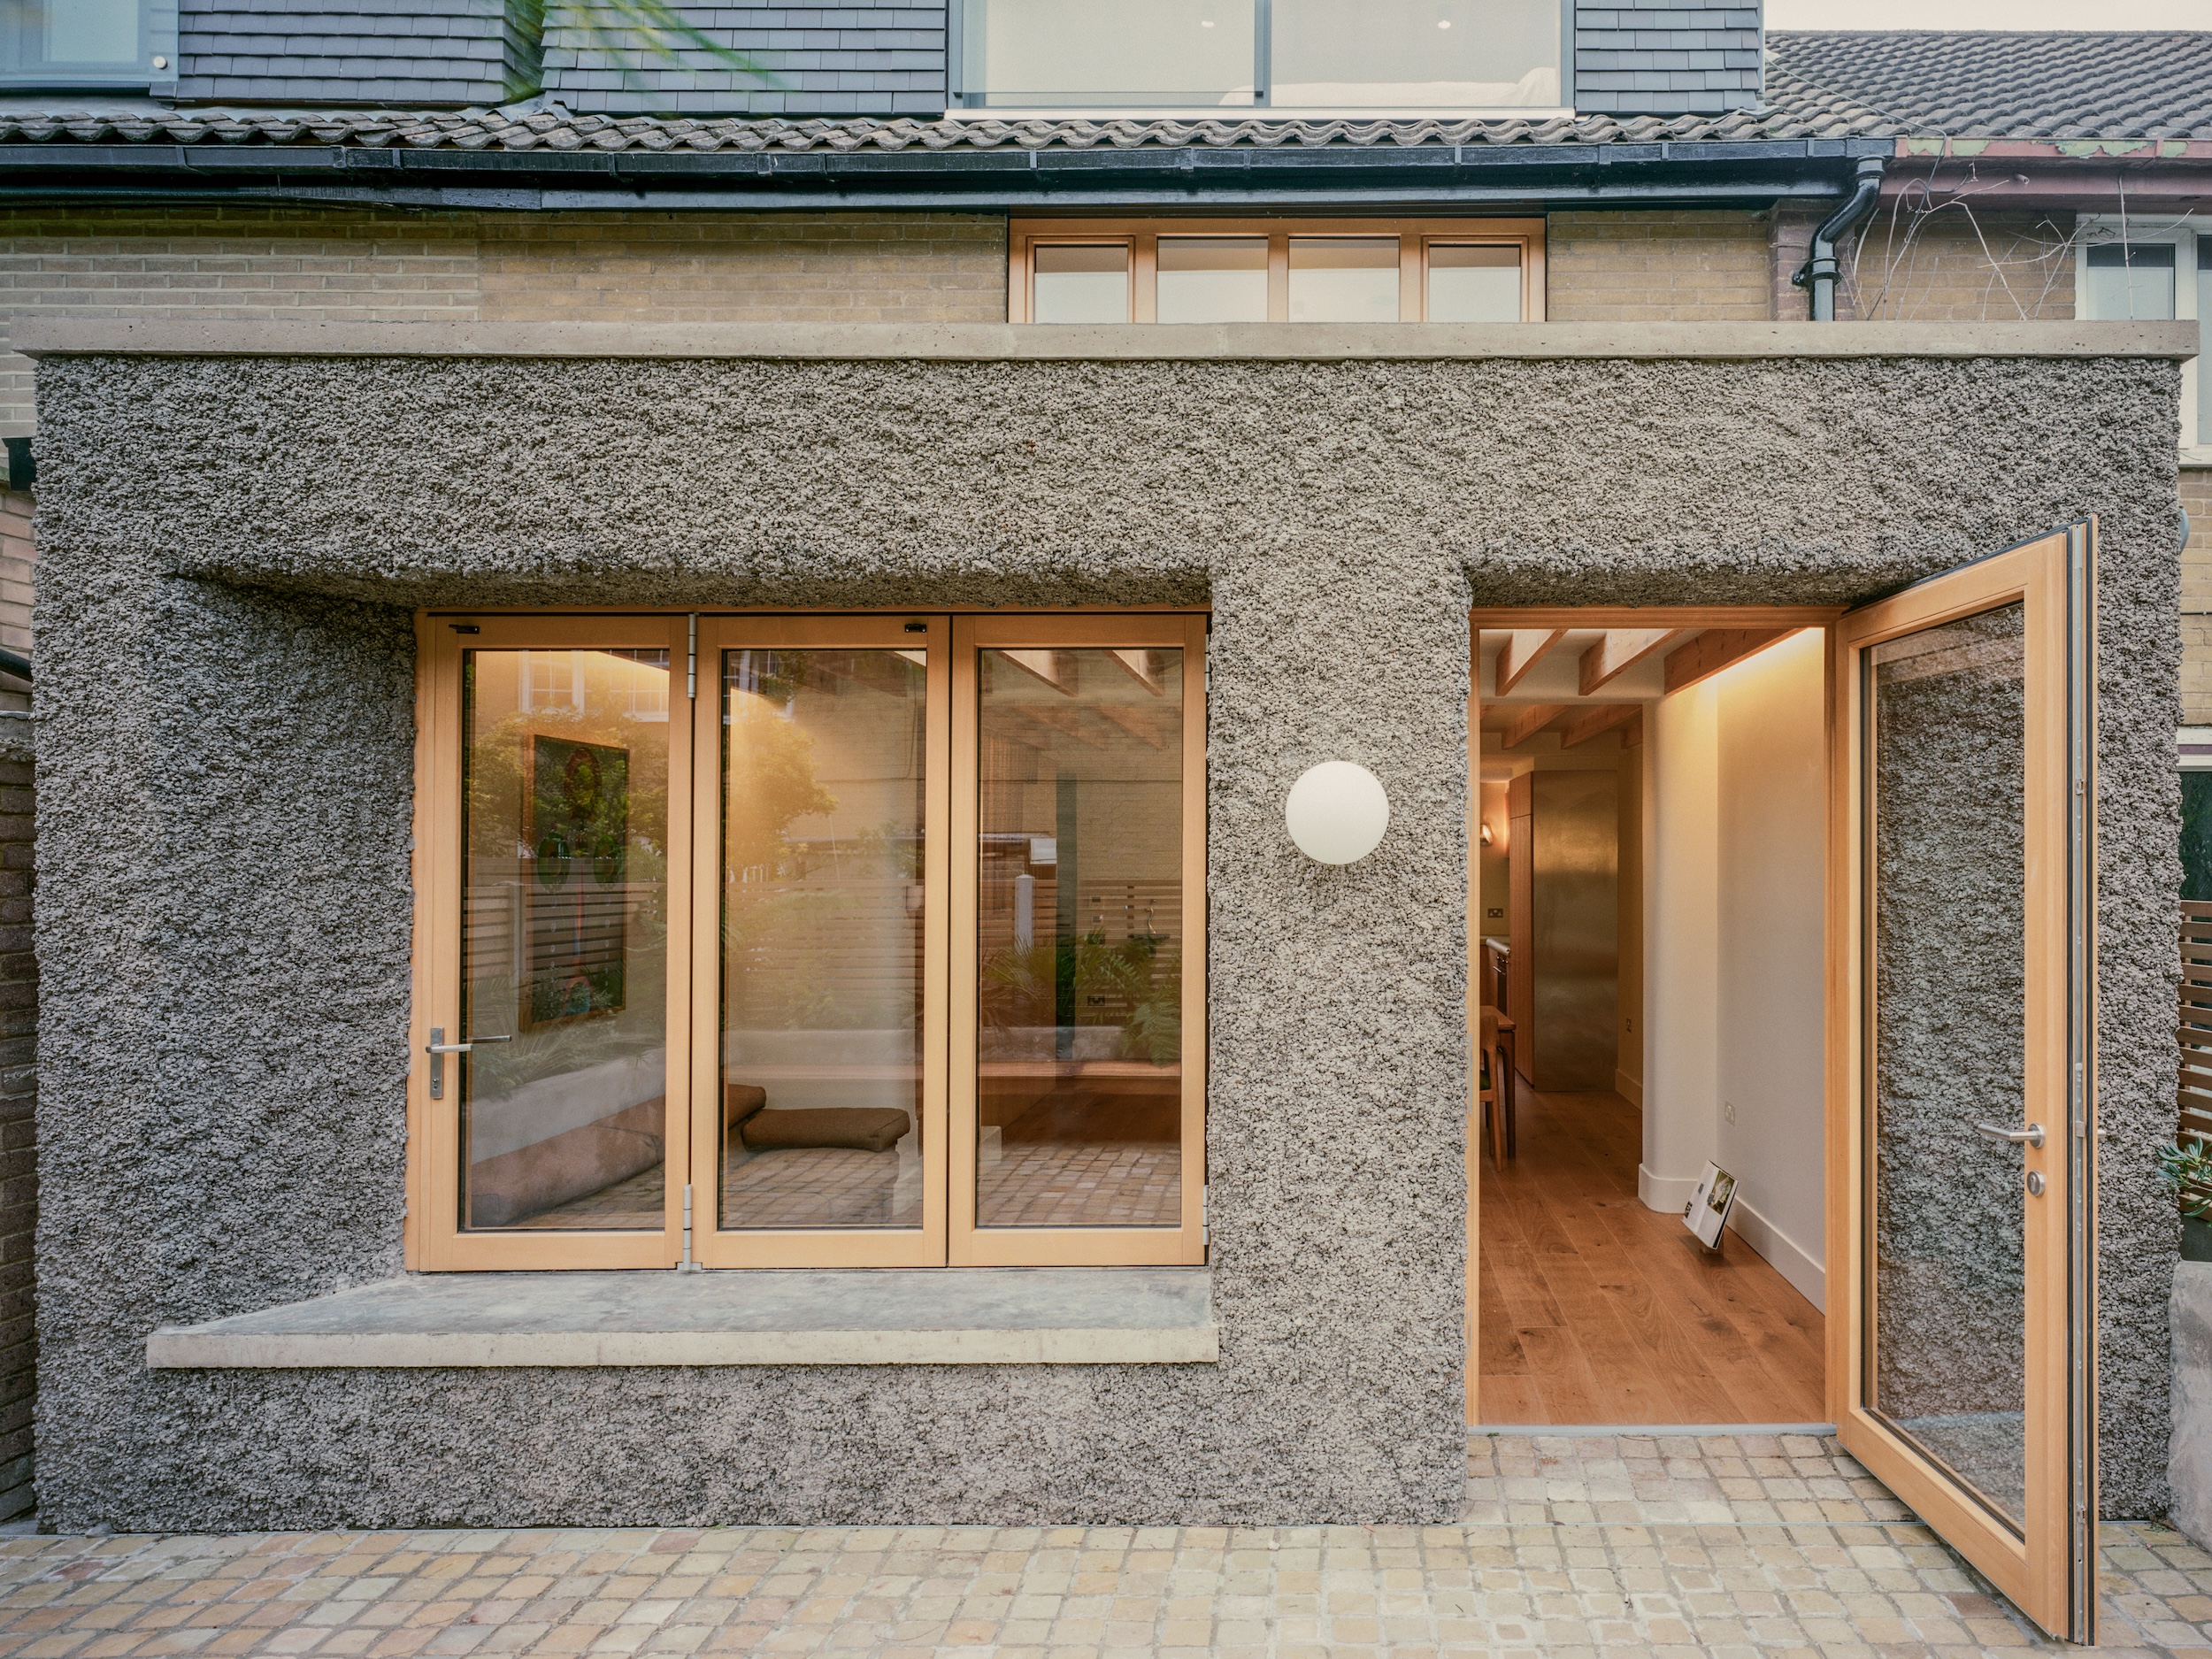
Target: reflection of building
1077,605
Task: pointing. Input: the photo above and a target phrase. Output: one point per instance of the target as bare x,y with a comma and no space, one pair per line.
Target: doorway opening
1647,1002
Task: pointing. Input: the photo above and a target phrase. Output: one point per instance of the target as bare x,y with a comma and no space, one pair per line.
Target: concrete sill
999,1316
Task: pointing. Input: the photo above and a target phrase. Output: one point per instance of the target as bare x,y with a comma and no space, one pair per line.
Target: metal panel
1575,994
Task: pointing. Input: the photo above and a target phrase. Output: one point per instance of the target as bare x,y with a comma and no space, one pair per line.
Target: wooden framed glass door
553,867
755,941
1961,1318
1079,965
818,966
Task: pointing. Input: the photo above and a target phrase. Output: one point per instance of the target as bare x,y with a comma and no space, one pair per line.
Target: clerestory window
1304,56
1256,271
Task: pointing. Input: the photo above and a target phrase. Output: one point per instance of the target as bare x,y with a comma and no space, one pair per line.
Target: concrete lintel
776,1316
45,337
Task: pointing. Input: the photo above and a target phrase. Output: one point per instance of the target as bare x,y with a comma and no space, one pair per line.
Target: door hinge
691,657
688,1265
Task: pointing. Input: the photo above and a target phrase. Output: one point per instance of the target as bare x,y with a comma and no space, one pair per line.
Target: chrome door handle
438,1047
2032,1136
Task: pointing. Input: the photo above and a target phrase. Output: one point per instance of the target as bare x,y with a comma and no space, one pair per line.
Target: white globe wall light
1337,812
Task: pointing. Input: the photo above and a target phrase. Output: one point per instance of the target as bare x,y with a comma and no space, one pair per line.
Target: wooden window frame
1038,1247
433,1238
1141,236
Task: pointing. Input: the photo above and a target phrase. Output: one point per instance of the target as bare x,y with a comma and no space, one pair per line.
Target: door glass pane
1080,938
564,937
1947,791
822,907
1416,54
1472,283
1080,284
1343,280
2129,282
1133,54
1213,280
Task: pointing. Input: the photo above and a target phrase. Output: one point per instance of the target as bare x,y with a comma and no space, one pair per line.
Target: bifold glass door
1960,1346
810,940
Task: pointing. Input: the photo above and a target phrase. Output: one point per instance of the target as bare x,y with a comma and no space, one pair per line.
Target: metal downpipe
1820,272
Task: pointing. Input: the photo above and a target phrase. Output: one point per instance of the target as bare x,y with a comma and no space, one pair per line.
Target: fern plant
629,35
2187,1167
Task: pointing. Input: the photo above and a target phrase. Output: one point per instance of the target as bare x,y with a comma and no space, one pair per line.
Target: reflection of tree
836,954
1137,976
771,783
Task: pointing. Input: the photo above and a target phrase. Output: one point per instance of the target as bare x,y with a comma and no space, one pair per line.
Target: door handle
438,1047
2032,1136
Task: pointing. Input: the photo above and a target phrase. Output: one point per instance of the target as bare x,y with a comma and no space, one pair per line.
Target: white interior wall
1734,907
1681,945
1772,891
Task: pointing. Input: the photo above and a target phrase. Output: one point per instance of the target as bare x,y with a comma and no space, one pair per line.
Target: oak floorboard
1596,1310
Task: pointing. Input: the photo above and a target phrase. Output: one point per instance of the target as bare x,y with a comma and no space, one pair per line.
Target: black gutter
15,666
1390,175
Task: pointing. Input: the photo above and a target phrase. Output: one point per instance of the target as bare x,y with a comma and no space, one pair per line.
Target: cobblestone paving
1755,1549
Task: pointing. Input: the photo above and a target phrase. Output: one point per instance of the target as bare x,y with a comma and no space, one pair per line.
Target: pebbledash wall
234,538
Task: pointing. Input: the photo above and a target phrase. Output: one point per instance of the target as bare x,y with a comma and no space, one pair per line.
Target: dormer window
120,44
1312,57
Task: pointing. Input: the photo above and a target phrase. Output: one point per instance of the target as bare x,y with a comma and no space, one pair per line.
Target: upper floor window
1258,271
2155,274
87,42
1312,56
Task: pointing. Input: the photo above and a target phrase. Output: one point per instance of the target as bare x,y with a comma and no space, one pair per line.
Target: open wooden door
1962,1063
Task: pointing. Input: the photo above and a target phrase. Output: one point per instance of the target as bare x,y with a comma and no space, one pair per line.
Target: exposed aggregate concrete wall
230,551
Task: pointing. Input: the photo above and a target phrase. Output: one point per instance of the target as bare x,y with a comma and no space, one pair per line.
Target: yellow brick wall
1949,266
2196,598
286,263
1685,266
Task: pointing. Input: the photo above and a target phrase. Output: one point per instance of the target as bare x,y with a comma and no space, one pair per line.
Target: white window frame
2183,233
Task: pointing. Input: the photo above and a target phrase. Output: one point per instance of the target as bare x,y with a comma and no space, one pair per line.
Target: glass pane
1080,937
2196,836
1080,285
822,906
92,32
1213,280
1471,283
564,938
1343,280
1434,54
1045,54
1948,740
2204,336
2132,281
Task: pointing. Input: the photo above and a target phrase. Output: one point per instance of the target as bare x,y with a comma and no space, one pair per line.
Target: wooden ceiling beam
1715,649
1527,722
1620,651
1523,649
1606,717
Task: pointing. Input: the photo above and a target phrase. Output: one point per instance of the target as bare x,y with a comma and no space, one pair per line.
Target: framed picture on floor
1706,1212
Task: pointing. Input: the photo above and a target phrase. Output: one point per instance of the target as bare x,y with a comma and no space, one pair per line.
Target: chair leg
1496,1114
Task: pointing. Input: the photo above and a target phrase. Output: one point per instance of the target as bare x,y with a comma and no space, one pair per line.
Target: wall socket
1728,1111
1496,915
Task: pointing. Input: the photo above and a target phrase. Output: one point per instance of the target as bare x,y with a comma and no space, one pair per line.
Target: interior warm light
1486,835
1337,812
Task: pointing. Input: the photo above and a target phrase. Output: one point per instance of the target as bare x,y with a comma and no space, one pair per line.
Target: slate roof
557,128
1819,85
1986,83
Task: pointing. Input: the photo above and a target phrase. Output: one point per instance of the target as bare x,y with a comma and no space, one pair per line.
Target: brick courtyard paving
1751,1547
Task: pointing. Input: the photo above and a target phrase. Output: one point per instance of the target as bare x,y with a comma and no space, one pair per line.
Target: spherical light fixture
1337,812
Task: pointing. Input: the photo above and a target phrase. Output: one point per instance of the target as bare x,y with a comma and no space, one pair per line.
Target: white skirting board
1768,1242
1783,1252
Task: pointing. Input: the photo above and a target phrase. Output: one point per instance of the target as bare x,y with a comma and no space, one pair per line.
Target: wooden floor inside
1594,1309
